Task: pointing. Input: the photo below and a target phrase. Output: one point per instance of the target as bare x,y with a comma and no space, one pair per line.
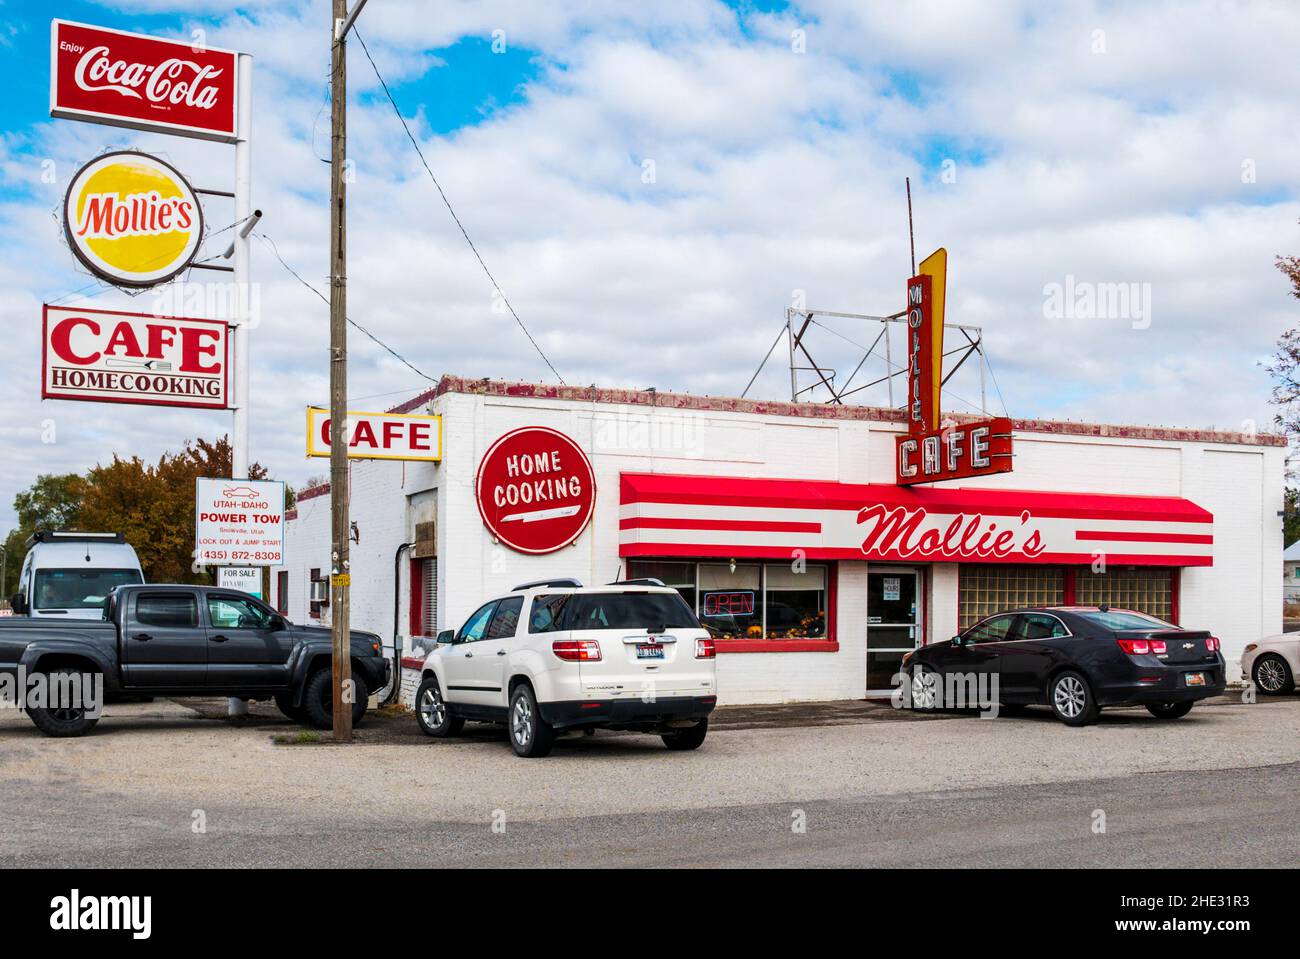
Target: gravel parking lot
135,790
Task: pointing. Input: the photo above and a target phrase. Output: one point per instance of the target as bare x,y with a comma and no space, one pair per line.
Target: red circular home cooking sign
535,489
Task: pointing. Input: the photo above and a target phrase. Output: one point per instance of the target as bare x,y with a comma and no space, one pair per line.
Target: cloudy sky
652,184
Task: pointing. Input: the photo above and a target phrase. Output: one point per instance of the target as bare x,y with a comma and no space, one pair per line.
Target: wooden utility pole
340,579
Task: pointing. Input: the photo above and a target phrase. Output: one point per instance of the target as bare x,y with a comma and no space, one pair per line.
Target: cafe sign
132,219
933,450
379,436
109,356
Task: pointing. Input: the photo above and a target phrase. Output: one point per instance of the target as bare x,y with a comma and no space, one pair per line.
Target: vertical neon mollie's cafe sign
930,452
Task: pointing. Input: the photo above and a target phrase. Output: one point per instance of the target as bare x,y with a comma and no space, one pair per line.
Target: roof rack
640,581
566,581
72,536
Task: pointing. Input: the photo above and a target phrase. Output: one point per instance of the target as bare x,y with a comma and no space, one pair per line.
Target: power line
324,299
415,143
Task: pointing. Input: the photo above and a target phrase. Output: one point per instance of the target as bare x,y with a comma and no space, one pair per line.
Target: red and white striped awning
670,515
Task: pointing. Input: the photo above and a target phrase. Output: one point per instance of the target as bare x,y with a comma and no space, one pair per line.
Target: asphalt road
1216,789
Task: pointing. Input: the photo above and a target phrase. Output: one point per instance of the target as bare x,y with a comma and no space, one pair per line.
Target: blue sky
653,184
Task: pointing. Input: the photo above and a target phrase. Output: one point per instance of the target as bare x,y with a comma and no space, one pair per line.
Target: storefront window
753,601
730,601
1147,590
985,590
795,603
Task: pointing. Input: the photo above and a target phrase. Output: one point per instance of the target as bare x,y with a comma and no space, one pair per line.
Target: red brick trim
686,401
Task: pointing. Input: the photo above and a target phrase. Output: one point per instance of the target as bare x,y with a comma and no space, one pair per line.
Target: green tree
52,502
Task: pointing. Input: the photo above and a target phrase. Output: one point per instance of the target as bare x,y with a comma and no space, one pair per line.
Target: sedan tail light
576,650
1212,644
1158,647
1135,647
706,649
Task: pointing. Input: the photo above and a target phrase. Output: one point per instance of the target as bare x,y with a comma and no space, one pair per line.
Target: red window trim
776,645
416,601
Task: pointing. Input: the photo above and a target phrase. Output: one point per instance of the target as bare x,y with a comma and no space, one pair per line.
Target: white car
1273,663
555,656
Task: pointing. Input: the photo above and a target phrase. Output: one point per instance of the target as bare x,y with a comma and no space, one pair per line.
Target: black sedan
1075,659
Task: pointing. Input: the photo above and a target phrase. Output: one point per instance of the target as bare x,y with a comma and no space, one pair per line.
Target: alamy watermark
59,690
1086,300
927,689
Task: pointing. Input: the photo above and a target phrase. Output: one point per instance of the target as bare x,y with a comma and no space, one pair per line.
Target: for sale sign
107,356
378,436
246,579
142,82
535,490
239,521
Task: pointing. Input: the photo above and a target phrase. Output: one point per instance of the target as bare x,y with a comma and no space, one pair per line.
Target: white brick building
1186,521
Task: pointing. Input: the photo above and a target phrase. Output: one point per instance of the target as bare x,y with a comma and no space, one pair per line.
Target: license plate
1194,679
650,651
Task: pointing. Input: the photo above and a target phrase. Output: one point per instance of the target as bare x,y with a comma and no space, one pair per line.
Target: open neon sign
732,603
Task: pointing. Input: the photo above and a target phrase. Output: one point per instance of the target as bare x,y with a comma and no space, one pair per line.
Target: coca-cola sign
142,82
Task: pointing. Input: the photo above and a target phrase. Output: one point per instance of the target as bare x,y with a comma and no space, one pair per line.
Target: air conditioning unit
426,542
320,591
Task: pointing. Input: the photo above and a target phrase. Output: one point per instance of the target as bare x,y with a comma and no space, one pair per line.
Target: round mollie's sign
132,219
535,490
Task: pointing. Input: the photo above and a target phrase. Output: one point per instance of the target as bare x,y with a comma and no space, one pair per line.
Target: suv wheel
1272,675
1071,699
318,699
530,736
687,738
1169,710
63,722
433,715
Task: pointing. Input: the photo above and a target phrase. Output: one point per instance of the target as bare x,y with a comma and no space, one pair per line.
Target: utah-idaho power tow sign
132,219
535,490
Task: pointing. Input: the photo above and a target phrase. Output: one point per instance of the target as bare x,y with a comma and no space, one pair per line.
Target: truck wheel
687,738
318,699
284,703
530,735
434,715
63,722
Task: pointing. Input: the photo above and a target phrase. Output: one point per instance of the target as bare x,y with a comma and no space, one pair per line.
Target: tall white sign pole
243,210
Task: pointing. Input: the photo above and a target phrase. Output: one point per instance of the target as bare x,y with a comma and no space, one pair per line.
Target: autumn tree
151,504
1285,368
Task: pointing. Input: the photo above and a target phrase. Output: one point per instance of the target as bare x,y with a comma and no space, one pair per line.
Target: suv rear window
610,611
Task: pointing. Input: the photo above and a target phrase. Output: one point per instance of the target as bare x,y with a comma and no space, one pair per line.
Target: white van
68,574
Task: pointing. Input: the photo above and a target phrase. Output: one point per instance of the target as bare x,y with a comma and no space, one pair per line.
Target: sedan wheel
1273,676
1071,699
924,689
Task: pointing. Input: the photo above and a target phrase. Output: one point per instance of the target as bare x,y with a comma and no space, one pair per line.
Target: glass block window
985,590
1146,589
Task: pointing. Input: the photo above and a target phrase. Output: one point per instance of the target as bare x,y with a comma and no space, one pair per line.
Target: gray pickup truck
178,641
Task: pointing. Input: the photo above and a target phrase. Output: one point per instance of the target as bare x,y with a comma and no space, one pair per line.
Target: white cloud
774,172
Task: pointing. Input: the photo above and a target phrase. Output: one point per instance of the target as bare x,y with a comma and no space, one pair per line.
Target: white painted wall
1239,598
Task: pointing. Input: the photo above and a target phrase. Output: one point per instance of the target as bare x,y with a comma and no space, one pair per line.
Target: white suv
557,656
